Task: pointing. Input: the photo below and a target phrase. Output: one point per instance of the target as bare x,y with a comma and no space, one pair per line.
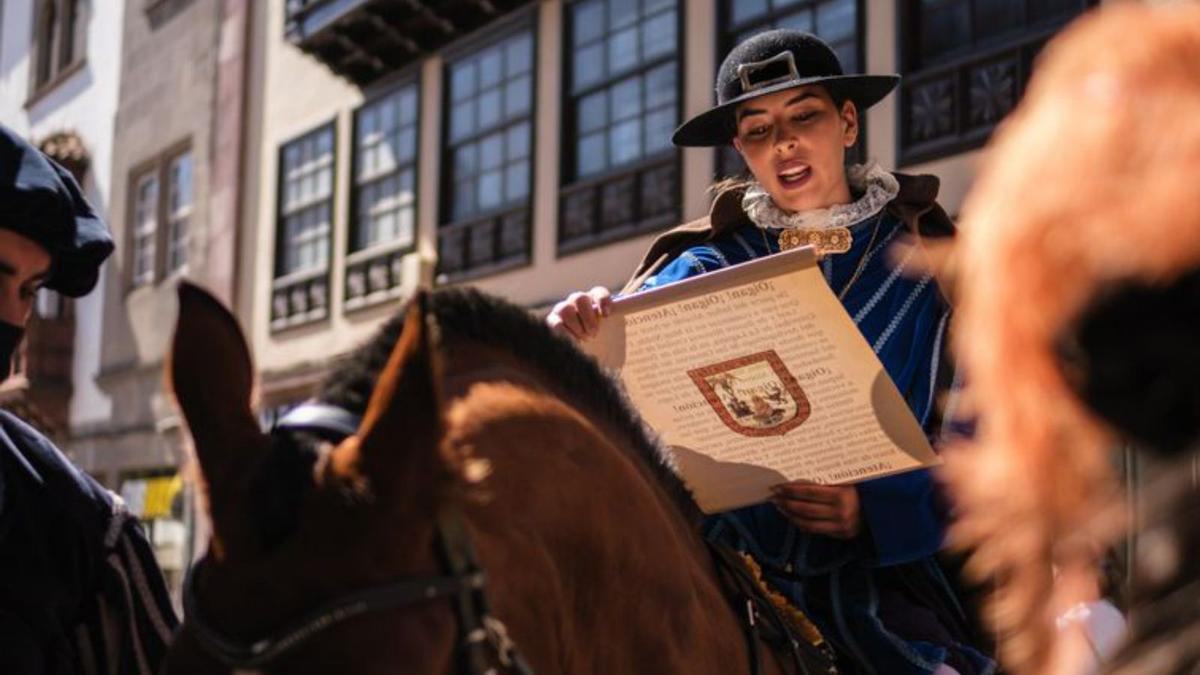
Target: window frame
569,183
280,210
49,66
157,167
304,280
518,21
174,216
389,253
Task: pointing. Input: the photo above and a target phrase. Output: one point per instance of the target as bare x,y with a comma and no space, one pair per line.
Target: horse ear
398,445
212,376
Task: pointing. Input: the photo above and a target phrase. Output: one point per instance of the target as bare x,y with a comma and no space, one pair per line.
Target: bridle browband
481,637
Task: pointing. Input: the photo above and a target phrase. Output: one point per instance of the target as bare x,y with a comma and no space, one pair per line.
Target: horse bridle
482,638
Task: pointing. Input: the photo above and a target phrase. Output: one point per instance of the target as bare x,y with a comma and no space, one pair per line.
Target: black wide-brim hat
773,61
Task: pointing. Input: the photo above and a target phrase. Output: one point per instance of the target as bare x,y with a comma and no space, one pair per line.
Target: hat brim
715,126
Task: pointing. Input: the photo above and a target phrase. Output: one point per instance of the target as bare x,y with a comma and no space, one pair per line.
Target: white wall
85,103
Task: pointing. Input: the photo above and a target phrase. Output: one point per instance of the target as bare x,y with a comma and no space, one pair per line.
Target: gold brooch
832,240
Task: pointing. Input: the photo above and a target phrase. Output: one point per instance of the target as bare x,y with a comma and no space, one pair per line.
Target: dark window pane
406,145
491,152
625,98
589,66
659,127
847,55
518,95
658,35
660,86
465,160
836,20
625,141
490,108
462,80
945,29
623,50
462,120
588,21
518,55
464,199
741,11
996,17
621,13
491,190
1048,9
516,142
590,155
593,112
408,106
491,67
516,182
802,20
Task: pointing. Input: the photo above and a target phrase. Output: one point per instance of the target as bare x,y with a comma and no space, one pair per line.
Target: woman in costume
80,591
858,559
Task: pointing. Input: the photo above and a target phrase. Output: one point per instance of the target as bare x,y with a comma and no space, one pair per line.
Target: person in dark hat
859,559
80,591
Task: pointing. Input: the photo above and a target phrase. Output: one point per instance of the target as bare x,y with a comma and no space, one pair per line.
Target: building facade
59,73
176,139
523,147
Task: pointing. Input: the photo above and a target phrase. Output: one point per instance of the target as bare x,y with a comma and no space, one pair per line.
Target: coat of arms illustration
754,395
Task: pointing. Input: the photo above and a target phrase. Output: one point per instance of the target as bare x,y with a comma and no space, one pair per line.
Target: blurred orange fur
1095,177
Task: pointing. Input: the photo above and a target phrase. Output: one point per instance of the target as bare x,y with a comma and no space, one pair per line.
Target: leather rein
482,638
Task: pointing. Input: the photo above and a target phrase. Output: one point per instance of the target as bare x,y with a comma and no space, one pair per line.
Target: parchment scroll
756,375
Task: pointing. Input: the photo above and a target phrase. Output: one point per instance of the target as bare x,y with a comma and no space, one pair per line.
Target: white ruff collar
878,187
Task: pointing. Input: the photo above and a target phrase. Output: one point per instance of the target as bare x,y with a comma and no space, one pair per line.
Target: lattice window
179,211
385,171
59,40
306,205
622,107
145,228
488,156
624,88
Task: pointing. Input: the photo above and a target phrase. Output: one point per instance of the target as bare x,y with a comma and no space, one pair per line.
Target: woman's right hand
580,313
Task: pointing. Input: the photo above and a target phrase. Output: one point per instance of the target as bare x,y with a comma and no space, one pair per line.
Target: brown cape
915,205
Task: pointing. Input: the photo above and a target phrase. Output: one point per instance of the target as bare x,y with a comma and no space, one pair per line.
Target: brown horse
474,441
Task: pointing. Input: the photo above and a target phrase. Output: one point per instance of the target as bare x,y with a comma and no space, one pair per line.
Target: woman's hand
831,510
579,315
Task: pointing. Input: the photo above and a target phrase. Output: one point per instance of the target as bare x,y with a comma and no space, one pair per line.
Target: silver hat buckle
746,71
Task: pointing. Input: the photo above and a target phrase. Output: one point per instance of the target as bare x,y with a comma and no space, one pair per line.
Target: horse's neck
576,532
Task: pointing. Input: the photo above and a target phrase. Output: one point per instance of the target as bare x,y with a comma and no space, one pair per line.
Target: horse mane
465,314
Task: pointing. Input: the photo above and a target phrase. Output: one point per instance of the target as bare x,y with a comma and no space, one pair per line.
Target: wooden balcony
363,40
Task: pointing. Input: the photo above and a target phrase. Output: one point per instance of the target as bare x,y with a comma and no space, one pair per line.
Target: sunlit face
24,266
794,142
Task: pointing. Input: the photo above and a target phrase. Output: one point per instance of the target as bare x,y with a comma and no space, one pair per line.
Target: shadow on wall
161,11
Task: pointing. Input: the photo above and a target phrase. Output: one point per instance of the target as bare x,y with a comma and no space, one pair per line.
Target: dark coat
80,591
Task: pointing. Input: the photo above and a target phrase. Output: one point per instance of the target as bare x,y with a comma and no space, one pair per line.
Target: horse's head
298,525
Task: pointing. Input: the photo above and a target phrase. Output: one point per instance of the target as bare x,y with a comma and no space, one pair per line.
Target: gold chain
862,261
